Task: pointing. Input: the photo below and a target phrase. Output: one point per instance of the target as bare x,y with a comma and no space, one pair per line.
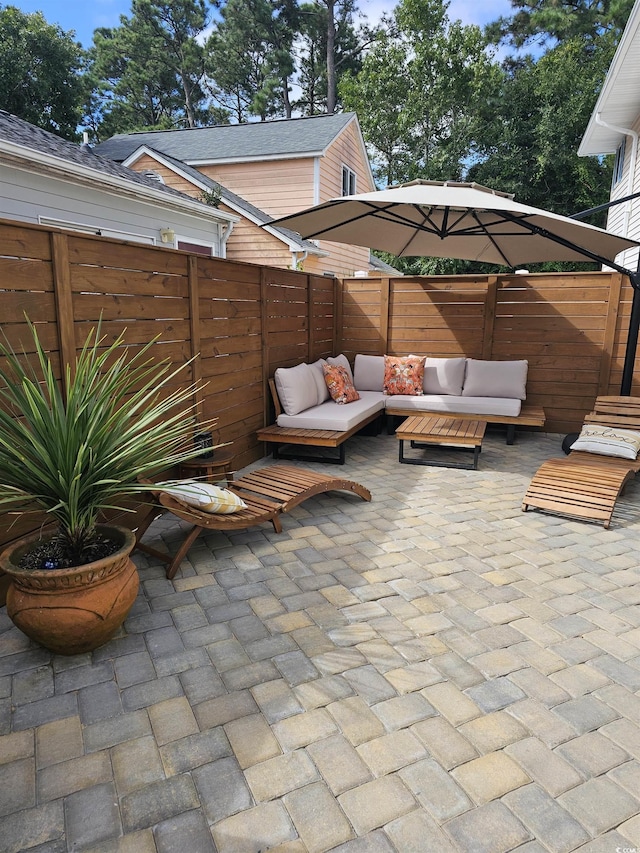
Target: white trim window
98,230
348,181
618,166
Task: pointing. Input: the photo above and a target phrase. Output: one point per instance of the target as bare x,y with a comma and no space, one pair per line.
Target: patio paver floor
433,671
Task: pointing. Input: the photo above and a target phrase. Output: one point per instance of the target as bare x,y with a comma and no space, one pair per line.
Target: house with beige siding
614,128
49,181
265,170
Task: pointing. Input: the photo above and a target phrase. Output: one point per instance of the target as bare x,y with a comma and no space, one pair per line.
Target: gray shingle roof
264,139
14,129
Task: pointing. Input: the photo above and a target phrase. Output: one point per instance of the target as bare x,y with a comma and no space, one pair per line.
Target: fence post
385,293
64,302
490,305
611,323
194,327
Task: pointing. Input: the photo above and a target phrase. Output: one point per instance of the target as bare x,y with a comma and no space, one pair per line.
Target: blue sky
85,17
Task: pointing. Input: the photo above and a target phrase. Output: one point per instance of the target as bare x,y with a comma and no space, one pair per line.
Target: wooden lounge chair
587,485
268,492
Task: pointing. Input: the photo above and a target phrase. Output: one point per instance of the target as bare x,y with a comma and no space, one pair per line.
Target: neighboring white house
49,181
614,128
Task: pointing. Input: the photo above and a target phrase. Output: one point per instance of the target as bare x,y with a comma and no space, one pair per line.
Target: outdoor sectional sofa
493,391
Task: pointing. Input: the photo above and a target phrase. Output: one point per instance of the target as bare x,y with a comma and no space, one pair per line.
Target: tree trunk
331,58
285,98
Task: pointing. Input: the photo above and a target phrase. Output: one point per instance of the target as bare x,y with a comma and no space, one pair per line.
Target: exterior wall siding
278,187
26,196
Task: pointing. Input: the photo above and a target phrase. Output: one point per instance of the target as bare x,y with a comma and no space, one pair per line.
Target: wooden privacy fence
571,327
245,320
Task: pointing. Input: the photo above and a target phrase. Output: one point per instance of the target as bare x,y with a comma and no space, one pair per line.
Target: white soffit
619,100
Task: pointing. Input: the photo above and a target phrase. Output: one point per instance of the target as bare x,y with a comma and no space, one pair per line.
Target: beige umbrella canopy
455,220
468,221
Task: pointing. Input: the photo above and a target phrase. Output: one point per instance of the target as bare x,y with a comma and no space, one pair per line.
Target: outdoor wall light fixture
167,235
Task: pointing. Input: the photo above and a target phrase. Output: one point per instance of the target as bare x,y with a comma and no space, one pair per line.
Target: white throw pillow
321,385
368,372
608,441
342,361
297,389
495,379
444,375
204,496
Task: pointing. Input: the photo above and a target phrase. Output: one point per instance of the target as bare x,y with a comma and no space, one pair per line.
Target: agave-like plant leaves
77,452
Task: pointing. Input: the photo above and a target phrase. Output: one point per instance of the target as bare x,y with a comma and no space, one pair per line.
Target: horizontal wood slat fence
571,327
245,320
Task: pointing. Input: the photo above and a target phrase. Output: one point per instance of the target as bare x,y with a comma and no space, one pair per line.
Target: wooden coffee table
441,431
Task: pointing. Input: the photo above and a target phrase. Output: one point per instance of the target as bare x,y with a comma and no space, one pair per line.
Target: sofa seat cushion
333,416
450,403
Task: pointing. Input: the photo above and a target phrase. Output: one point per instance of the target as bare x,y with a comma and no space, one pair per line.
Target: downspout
295,260
634,320
226,233
626,131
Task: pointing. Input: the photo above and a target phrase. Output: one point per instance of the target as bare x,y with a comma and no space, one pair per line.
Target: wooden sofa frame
275,435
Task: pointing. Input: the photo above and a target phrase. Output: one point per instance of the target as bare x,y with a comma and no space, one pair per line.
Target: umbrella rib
491,240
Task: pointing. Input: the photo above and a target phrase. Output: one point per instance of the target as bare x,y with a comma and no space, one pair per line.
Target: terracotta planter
75,610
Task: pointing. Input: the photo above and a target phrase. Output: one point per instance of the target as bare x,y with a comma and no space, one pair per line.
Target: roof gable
239,205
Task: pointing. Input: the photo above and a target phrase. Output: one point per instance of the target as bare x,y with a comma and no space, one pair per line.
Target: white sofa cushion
368,372
461,405
297,388
343,361
495,379
332,416
444,375
204,496
318,375
608,441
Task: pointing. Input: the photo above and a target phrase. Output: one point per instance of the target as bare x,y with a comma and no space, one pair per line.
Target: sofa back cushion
495,379
444,375
296,388
342,361
368,372
318,376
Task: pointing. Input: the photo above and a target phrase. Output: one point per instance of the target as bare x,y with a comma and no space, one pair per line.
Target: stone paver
432,671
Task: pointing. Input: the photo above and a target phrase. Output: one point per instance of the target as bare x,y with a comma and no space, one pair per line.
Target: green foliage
249,57
534,125
40,72
211,197
147,72
419,93
76,453
558,20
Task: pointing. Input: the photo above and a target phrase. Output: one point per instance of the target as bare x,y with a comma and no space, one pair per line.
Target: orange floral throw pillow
339,384
403,375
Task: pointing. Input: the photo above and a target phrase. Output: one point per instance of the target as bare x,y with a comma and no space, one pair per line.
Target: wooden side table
218,467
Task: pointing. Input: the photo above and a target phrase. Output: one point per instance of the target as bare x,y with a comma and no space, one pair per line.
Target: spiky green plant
78,452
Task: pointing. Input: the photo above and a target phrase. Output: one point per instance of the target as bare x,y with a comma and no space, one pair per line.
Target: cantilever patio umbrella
462,220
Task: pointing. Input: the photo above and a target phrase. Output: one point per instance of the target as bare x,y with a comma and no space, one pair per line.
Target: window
348,181
618,166
196,248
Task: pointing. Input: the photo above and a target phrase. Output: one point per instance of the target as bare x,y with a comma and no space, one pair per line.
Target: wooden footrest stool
268,492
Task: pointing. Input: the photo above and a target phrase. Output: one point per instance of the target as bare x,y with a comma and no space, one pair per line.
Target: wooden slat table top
442,430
